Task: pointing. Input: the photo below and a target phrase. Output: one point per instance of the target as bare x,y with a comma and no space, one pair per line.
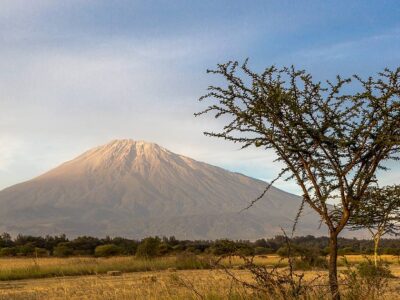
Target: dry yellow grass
25,268
179,285
26,262
167,284
140,285
23,262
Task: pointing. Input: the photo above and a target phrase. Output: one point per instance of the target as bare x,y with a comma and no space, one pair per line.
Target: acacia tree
379,213
329,141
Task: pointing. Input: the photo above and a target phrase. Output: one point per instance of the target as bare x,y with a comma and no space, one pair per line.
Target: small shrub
107,250
366,281
41,252
304,259
262,251
224,247
25,250
148,248
187,260
62,250
8,251
346,251
367,269
392,251
163,249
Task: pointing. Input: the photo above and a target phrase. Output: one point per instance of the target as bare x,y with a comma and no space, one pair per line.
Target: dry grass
26,268
141,285
152,284
179,285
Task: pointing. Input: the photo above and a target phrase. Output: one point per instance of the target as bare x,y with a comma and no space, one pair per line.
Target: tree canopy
331,138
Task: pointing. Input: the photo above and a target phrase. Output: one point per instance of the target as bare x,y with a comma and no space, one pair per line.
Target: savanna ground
160,278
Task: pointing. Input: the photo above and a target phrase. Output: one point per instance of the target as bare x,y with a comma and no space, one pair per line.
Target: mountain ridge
137,188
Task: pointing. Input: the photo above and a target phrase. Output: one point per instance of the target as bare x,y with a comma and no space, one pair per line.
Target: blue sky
76,74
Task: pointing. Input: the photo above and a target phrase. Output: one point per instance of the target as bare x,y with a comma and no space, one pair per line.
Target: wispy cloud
9,146
76,74
346,49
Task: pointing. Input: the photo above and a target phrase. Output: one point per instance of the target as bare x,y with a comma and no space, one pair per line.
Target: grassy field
179,285
29,268
161,278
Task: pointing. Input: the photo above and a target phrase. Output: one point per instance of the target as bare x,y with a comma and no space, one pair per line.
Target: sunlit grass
25,268
13,269
152,285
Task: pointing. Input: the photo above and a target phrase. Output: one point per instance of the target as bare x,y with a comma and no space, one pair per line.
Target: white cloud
9,146
62,100
346,49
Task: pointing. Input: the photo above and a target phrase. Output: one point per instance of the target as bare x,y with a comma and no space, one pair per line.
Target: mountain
137,189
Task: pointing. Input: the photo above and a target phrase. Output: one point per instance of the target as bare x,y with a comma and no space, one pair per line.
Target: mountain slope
139,189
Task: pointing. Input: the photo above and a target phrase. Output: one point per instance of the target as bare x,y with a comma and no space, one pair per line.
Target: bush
63,250
164,249
41,252
262,251
25,250
305,258
346,250
366,281
309,263
222,247
283,251
188,260
129,246
148,248
368,270
392,251
8,251
107,250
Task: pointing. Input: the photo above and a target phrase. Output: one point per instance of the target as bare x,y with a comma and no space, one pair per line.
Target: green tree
63,250
329,141
148,247
379,213
107,250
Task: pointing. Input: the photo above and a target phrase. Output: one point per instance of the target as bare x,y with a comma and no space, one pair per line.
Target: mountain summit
136,189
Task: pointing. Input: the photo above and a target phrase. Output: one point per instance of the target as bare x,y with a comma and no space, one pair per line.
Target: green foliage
330,141
107,250
60,246
148,247
26,250
368,270
6,240
40,252
380,211
63,250
346,251
366,281
262,250
8,251
222,247
391,251
85,245
128,245
304,258
188,260
164,249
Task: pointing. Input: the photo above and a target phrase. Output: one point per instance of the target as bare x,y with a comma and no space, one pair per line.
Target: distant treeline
61,246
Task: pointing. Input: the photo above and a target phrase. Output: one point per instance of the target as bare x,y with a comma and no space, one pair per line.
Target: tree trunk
333,280
377,239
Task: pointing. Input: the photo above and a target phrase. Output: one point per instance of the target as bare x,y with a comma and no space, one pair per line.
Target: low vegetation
273,268
61,246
